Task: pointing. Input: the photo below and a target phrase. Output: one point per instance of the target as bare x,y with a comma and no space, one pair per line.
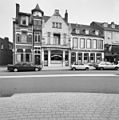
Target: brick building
52,41
6,53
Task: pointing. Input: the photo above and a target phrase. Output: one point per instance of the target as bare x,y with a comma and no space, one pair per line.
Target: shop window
92,56
79,56
66,55
86,56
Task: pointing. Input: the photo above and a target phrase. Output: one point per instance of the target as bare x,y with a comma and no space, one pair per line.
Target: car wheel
36,69
74,69
101,68
15,70
87,68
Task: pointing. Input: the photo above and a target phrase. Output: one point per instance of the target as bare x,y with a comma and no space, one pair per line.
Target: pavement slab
60,106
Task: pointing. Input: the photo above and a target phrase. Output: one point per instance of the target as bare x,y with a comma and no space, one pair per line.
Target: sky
79,11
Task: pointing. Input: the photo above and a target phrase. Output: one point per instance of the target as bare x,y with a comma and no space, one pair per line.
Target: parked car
23,67
106,66
91,66
80,66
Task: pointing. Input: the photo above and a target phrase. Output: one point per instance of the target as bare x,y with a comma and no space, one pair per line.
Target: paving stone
60,106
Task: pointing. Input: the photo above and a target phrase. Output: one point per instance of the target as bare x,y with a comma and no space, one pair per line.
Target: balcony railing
56,45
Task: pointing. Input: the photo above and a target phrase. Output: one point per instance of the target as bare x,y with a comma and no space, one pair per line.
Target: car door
81,66
109,66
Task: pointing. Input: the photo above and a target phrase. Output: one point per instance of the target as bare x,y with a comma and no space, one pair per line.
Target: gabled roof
108,28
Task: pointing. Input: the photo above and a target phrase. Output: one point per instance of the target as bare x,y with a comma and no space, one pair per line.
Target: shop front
59,58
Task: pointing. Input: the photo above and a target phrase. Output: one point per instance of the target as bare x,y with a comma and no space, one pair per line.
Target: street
59,81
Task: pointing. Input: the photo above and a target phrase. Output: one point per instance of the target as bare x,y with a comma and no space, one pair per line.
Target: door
37,60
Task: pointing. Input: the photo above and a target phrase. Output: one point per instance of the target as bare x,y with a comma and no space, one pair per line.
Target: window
24,37
75,42
37,22
86,56
82,40
94,44
27,57
37,50
86,32
19,57
88,44
29,38
92,56
24,20
18,38
79,56
48,40
64,40
57,25
77,31
56,40
100,44
37,38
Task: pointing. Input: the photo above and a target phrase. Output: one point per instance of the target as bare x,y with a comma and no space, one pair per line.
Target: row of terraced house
54,41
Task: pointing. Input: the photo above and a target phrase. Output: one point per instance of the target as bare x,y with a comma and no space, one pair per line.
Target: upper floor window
96,32
48,36
88,43
86,32
105,24
24,37
37,38
24,20
57,25
77,31
18,38
75,42
64,38
37,50
30,38
100,44
94,44
82,40
37,22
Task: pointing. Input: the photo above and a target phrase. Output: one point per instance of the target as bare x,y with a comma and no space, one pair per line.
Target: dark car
24,67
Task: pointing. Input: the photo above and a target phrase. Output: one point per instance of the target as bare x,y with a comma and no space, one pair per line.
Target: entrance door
37,60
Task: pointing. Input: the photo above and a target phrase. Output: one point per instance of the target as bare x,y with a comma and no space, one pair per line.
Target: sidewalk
56,68
60,106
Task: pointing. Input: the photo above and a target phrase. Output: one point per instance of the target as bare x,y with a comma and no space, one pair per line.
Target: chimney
56,12
66,16
17,10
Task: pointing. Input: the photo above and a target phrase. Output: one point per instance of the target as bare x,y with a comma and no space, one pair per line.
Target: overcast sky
80,11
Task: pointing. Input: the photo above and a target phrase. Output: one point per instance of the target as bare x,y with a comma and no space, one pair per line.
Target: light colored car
80,66
106,66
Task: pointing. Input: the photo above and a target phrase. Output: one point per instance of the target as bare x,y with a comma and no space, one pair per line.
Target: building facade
53,41
87,44
6,54
111,40
56,44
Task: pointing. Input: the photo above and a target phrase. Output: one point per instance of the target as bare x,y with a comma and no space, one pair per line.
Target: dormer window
77,31
96,32
86,32
24,20
112,25
105,24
